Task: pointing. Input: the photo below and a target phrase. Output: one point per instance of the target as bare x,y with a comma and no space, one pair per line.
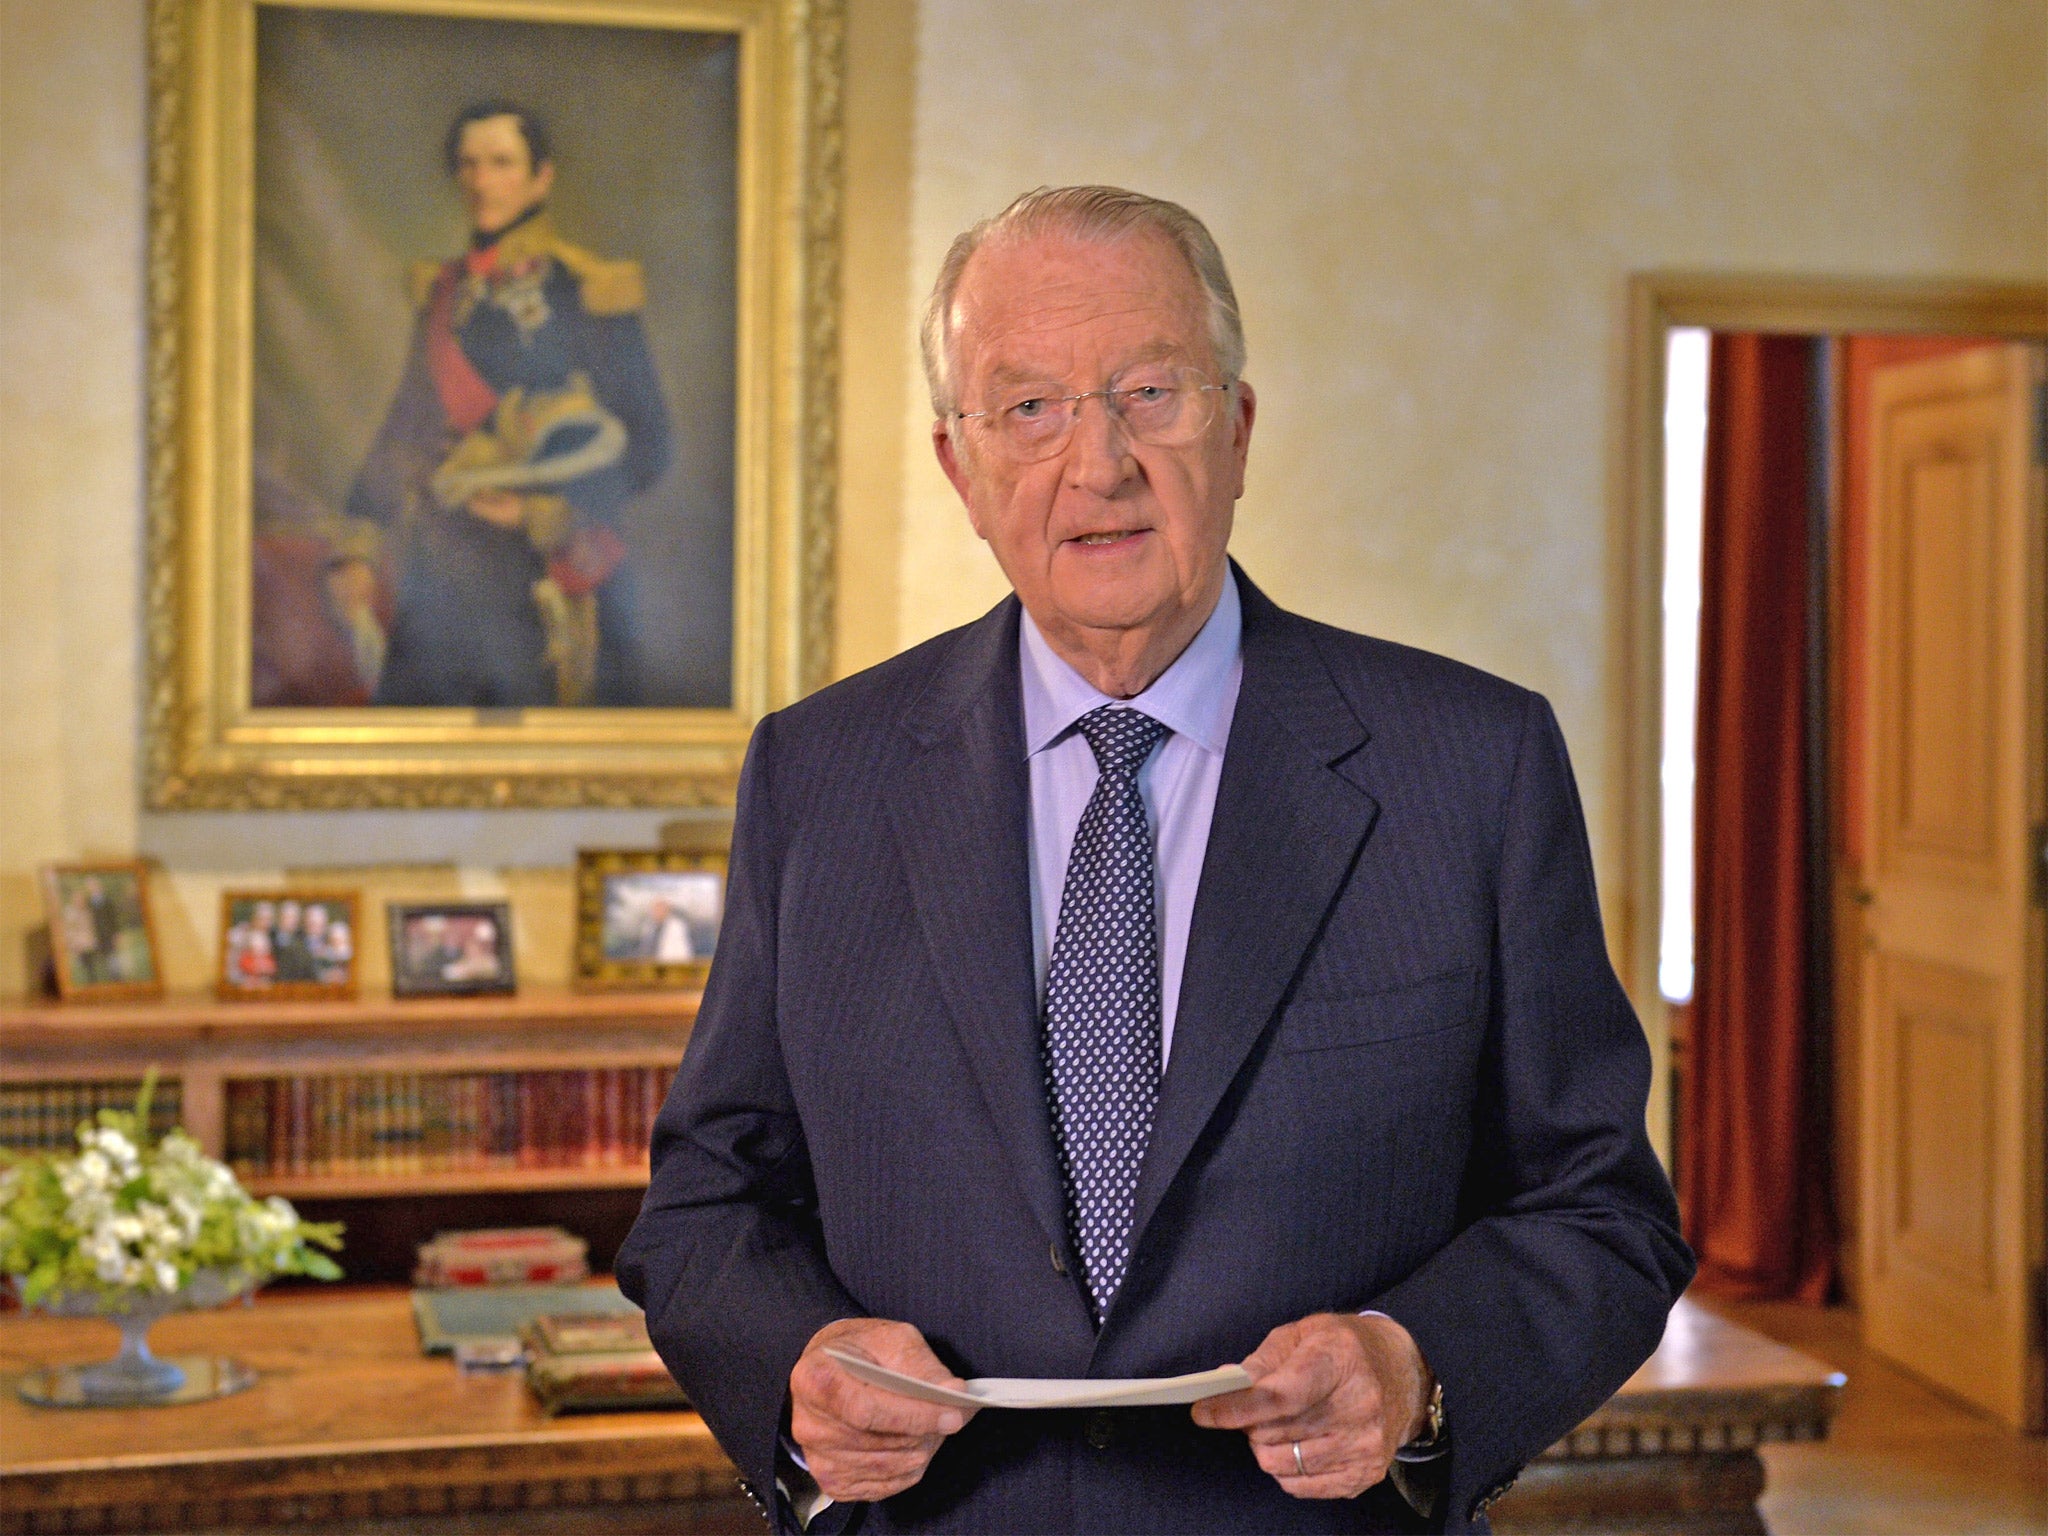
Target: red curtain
1752,1153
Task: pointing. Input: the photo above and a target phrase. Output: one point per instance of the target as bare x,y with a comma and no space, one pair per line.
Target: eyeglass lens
1163,408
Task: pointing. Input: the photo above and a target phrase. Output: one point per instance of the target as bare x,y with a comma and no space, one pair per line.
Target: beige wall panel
71,219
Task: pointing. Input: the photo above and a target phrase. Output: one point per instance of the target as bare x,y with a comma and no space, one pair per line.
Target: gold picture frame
210,745
647,918
289,943
103,944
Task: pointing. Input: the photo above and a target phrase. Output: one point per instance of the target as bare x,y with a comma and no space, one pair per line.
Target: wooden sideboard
206,1046
350,1428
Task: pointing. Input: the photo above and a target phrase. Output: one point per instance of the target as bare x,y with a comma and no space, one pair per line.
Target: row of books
414,1122
44,1117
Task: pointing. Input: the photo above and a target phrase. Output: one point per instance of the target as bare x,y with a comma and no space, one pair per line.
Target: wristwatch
1435,1437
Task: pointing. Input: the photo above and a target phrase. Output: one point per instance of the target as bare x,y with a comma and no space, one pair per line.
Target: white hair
1086,213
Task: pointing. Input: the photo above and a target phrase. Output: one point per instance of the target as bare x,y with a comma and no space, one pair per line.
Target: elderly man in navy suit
1143,978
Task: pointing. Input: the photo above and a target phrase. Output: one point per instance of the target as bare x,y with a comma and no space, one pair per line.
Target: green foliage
125,1213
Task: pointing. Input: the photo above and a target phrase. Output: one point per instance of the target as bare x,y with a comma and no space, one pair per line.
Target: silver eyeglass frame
1108,397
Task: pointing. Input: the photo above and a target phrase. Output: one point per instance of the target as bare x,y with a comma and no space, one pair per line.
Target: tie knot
1121,737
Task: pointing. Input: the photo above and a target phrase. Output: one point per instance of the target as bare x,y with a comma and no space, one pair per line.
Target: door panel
1946,738
1943,1022
1950,1039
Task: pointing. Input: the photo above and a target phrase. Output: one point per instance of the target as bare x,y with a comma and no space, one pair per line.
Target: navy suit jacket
1403,1076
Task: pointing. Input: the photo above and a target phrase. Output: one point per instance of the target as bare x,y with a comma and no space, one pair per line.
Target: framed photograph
102,939
443,949
490,399
647,917
288,944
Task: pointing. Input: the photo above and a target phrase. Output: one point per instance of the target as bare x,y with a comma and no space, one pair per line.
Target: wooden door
1951,1033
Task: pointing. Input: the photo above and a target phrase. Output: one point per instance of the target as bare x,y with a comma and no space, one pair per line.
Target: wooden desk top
348,1419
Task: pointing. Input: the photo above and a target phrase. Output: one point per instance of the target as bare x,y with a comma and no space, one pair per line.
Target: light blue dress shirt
1195,699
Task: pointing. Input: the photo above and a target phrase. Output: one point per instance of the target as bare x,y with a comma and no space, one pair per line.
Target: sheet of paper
1033,1392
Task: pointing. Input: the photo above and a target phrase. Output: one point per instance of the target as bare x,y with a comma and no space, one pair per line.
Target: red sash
465,396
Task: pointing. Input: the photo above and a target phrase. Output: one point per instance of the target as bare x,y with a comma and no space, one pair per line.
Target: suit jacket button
1059,1265
1100,1429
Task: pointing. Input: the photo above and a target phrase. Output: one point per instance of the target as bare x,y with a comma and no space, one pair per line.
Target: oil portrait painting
493,363
492,396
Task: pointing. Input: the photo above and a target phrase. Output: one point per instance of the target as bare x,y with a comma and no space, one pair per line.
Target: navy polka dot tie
1102,1003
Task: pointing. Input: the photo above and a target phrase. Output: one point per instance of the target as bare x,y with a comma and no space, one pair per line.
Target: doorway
1934,1072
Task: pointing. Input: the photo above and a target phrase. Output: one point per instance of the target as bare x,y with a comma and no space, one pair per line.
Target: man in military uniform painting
528,416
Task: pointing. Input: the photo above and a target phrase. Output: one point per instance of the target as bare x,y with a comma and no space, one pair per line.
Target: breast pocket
1441,1002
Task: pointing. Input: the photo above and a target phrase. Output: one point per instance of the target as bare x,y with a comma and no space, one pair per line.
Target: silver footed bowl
135,1375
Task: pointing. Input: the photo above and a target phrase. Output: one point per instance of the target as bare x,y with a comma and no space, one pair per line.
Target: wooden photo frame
451,948
288,944
647,918
103,943
461,501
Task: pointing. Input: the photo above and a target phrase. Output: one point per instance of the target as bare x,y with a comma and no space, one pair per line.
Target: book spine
612,1136
564,1143
590,1108
530,1148
469,1130
434,1089
550,1118
277,1113
297,1113
412,1139
333,1124
240,1128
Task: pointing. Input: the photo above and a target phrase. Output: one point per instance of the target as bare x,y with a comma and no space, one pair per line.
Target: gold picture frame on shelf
289,944
647,917
491,396
103,945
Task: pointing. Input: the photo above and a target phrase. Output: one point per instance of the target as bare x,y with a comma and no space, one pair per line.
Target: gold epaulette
422,275
608,287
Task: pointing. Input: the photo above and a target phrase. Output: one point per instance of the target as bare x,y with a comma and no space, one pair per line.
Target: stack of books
581,1364
502,1256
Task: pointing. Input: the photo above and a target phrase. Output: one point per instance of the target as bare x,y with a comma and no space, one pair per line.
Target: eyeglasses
1164,407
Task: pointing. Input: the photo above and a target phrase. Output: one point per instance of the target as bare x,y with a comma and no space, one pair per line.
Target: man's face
496,174
1108,534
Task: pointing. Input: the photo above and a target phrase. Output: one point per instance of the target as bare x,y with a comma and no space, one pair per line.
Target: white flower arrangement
125,1214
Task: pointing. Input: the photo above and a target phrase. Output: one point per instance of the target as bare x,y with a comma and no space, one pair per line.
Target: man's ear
947,447
1244,410
543,179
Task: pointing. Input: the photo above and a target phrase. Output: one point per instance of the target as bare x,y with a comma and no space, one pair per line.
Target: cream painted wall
1431,211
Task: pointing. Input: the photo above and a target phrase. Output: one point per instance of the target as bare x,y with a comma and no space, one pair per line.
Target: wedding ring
1298,1467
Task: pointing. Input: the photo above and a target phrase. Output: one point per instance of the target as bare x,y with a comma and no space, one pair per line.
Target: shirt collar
1193,698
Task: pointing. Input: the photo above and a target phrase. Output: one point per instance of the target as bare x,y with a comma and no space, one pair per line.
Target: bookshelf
401,1085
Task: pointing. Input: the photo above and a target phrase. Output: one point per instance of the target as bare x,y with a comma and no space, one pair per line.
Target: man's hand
1350,1391
860,1441
502,508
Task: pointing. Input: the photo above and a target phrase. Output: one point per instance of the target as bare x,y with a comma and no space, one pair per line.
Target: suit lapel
959,810
1288,825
